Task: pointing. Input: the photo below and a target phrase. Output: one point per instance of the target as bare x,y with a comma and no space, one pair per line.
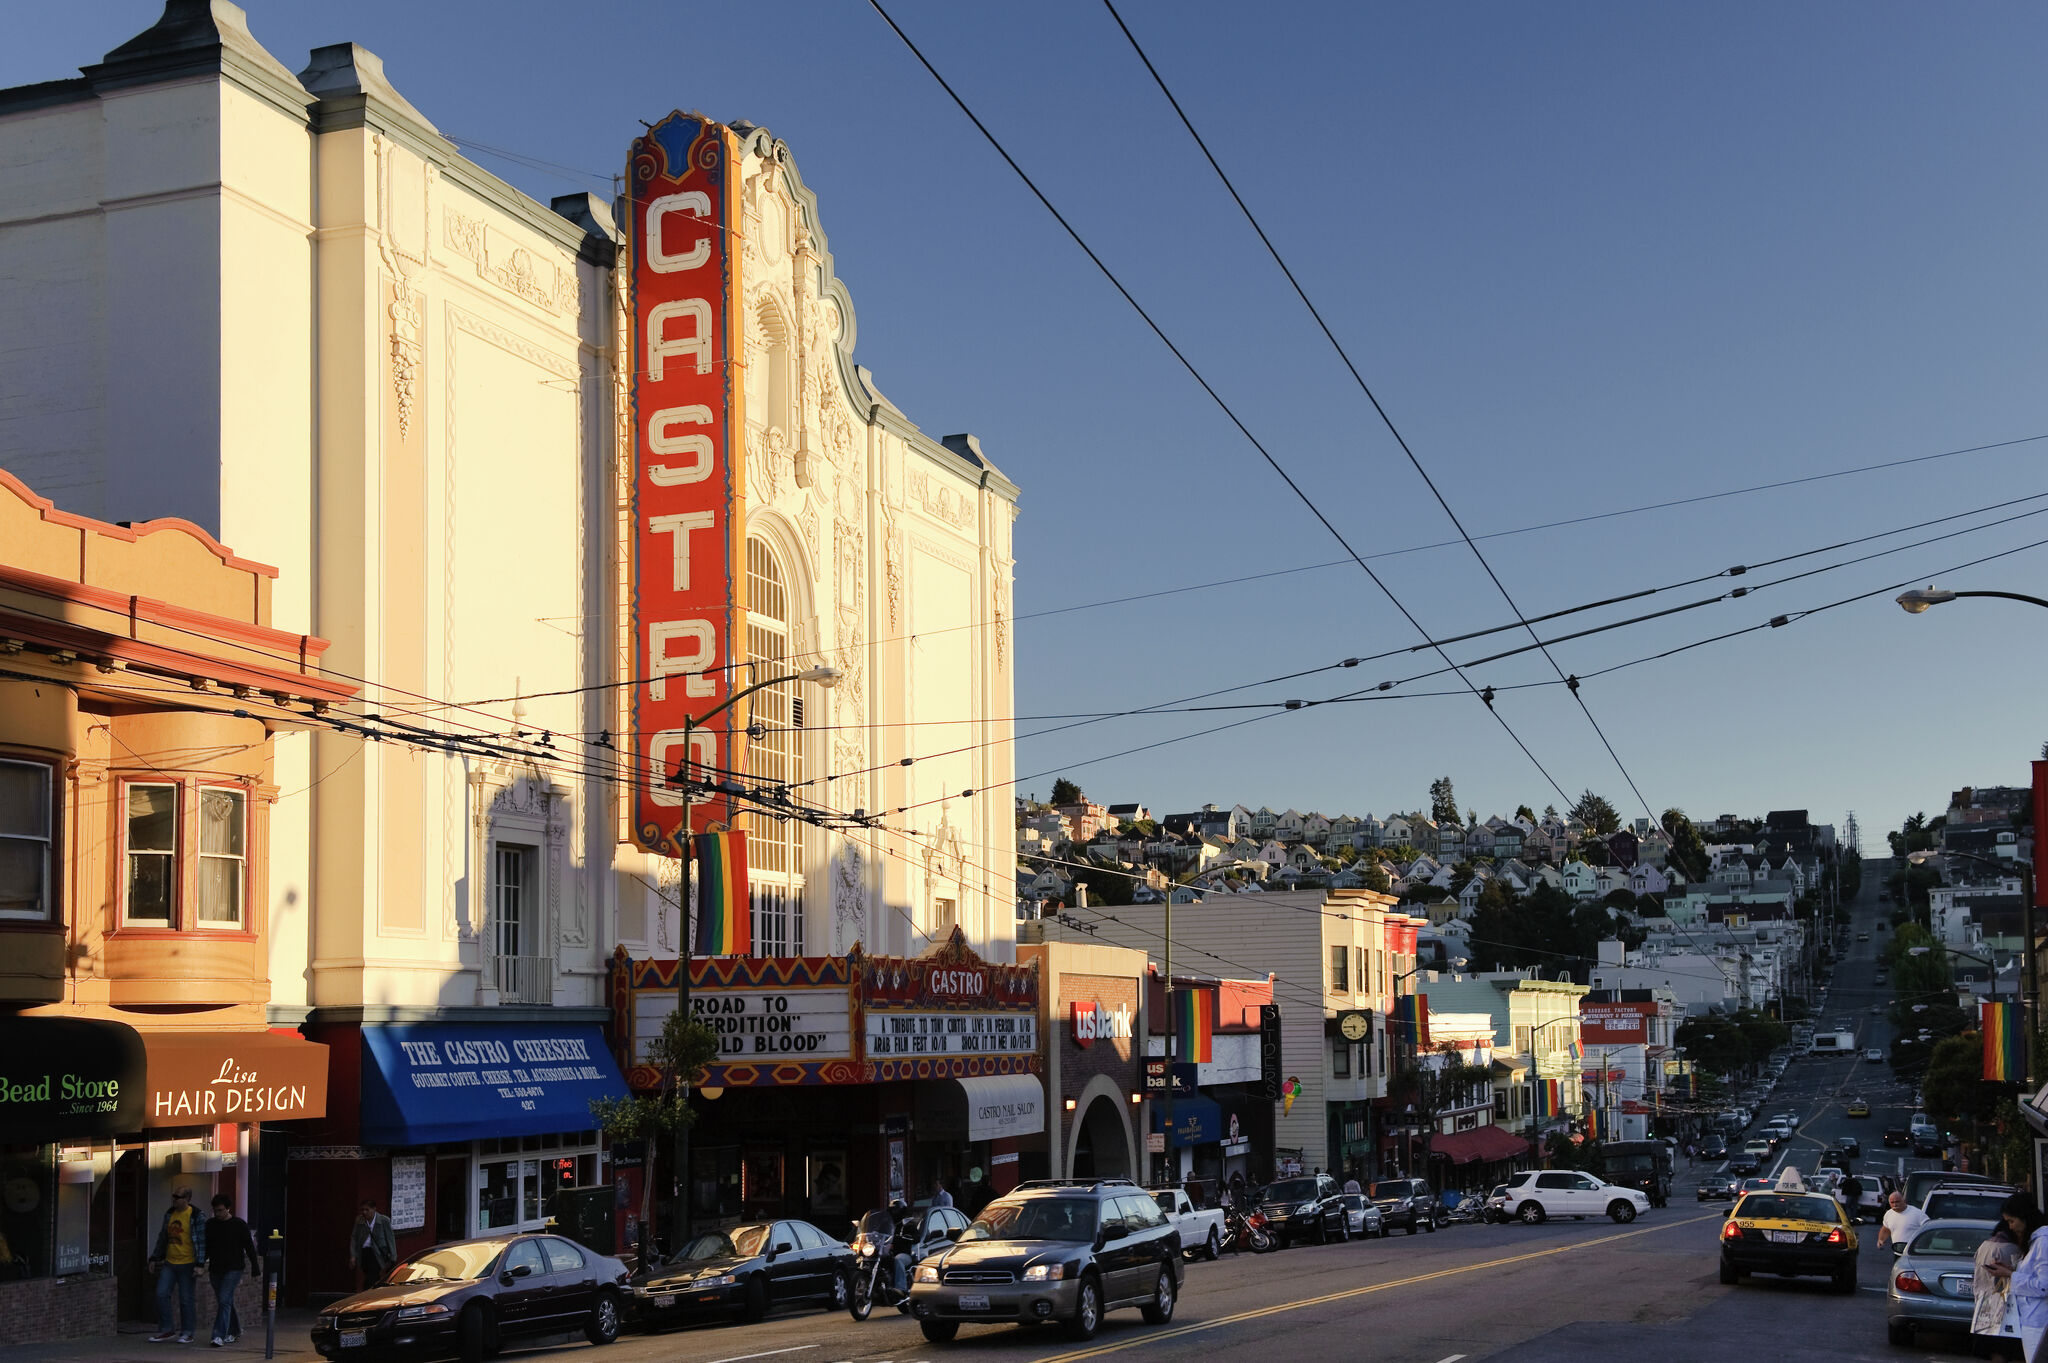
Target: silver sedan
1363,1217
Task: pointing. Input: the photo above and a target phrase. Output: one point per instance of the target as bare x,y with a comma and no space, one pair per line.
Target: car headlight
927,1273
421,1312
1045,1273
718,1280
1305,1209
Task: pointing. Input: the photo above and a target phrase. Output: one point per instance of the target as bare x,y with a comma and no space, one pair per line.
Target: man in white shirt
1901,1223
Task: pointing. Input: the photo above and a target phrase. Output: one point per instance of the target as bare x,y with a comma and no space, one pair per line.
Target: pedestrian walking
1988,1323
370,1243
940,1197
230,1252
175,1258
2027,1282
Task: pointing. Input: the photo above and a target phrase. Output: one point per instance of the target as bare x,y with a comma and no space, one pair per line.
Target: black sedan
1897,1136
1719,1189
745,1272
469,1297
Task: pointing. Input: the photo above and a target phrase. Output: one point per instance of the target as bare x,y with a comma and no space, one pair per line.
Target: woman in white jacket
2029,1285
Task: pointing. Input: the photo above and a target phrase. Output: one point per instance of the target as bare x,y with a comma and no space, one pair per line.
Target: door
1554,1190
787,1272
522,1304
815,1250
1588,1197
572,1281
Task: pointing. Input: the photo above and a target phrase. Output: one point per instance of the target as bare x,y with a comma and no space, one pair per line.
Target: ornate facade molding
545,284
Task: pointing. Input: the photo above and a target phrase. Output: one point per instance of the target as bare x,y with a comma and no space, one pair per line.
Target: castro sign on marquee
689,495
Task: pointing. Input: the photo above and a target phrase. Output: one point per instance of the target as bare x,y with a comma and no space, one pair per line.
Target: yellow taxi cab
1858,1108
1789,1233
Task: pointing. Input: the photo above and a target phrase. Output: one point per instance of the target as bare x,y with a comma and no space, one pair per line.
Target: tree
1443,804
1435,1083
1598,815
1524,812
680,1052
1376,878
1688,850
1065,792
1549,813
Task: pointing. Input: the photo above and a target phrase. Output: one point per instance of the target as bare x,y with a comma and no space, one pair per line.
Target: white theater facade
274,300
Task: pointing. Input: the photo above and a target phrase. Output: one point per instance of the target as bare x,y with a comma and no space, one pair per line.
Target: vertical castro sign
689,491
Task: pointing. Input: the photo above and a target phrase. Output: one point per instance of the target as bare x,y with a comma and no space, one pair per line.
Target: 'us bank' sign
689,495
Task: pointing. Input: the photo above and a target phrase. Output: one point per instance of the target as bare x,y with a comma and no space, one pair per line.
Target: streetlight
1917,601
825,676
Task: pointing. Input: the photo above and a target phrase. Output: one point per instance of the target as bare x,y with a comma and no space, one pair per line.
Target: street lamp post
1535,1063
2028,983
1414,1047
1916,602
827,677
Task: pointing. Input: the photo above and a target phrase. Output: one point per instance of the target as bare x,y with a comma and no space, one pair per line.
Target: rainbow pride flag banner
2005,1044
1411,1019
1549,1098
725,924
1194,1015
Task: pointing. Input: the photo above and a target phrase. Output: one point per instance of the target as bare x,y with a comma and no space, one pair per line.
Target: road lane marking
1197,1327
1450,1358
766,1353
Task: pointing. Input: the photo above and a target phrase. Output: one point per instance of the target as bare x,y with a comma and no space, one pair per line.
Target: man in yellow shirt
176,1257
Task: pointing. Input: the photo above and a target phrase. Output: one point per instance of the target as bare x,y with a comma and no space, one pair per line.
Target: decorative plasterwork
999,608
408,304
941,502
849,897
545,284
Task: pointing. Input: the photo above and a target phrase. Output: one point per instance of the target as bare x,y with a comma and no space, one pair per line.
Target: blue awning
427,1083
1196,1121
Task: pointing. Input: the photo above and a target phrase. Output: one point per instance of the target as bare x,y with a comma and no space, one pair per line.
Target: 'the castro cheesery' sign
689,493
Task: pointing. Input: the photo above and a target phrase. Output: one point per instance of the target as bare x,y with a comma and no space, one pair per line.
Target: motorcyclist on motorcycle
900,1245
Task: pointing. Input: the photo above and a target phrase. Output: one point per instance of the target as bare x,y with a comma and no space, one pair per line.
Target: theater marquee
687,591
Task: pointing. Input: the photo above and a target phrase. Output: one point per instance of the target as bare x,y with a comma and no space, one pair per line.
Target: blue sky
1589,257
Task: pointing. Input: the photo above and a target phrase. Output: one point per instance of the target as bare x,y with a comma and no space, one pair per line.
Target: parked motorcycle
875,1246
1248,1232
1470,1209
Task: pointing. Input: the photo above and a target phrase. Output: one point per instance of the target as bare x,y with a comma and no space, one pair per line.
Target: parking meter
273,1270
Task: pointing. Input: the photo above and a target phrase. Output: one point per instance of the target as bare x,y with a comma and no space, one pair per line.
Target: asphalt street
1564,1290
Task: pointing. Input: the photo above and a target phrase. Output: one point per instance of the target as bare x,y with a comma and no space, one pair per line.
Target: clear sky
1589,256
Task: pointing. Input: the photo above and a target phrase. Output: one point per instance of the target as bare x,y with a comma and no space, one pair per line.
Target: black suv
1309,1206
1053,1250
1406,1202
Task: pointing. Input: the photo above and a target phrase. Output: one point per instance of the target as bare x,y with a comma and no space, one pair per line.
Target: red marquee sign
688,601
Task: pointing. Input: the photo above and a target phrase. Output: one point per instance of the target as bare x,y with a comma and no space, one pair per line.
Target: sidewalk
294,1342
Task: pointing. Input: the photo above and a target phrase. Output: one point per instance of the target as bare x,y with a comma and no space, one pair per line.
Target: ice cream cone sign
1289,1091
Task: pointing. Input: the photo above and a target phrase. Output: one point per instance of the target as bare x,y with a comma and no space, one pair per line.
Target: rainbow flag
725,925
1549,1098
2005,1044
1194,1012
1411,1019
1572,1049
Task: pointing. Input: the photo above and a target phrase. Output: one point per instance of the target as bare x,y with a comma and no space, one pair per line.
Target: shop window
25,836
28,1212
223,828
1340,969
152,855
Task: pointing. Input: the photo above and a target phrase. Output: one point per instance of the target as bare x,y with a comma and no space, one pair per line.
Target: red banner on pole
688,587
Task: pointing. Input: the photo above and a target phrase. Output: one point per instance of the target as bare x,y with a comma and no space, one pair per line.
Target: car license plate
1785,1237
974,1302
354,1339
665,1299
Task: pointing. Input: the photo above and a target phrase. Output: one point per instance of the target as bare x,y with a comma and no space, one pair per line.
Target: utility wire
1205,385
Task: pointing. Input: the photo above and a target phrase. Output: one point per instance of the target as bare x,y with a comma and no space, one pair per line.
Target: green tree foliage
1599,816
1688,849
1919,967
1443,803
1954,1086
1377,879
1437,1087
680,1052
1546,928
1549,813
1916,835
1732,1044
1065,792
1524,812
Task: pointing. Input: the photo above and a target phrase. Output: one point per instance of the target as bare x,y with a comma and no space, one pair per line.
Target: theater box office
844,1081
454,1129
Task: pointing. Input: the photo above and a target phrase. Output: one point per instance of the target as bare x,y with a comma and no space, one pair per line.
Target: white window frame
128,920
201,857
48,910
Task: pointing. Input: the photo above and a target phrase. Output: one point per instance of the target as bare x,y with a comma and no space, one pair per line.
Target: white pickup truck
1201,1228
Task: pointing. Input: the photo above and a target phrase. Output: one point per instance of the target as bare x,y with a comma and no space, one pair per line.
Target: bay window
25,837
185,856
